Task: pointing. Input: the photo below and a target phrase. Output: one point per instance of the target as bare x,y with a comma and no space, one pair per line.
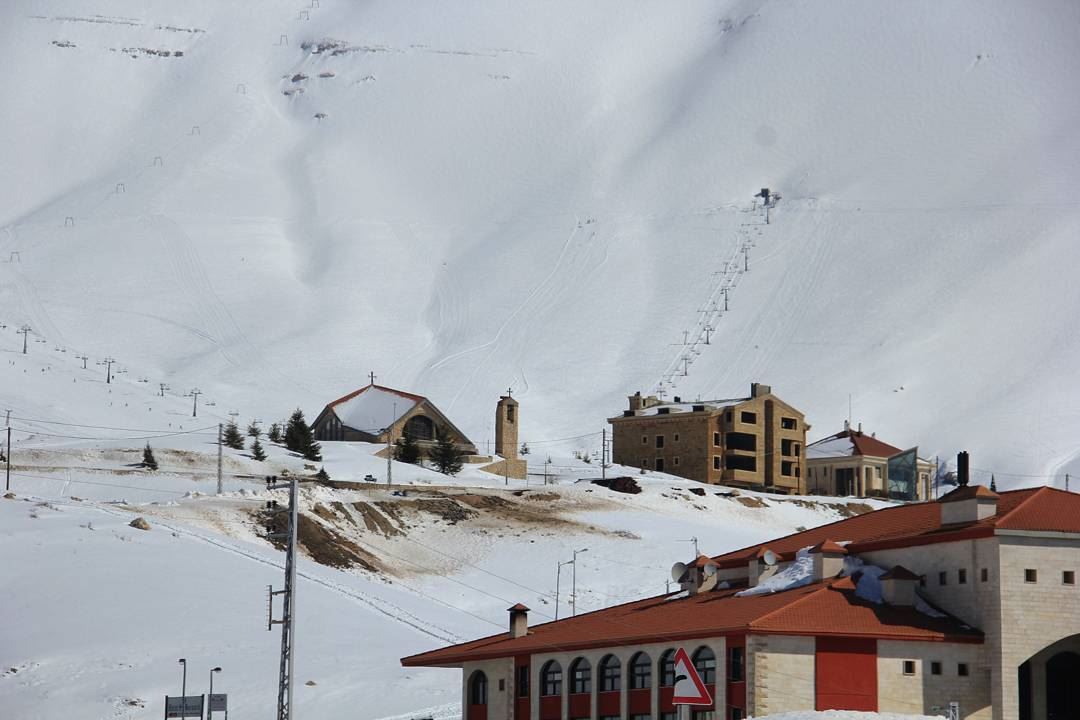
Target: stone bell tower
506,427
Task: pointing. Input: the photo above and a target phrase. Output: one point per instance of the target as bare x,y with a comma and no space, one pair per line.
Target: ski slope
541,197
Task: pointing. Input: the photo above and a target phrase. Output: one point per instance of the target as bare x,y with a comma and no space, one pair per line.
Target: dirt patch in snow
374,520
752,502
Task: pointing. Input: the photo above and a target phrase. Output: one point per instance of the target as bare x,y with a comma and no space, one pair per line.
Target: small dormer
828,559
898,586
763,565
968,504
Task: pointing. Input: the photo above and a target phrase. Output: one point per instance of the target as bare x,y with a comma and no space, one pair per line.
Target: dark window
787,447
727,416
935,667
551,678
675,460
943,578
984,574
736,713
644,439
1068,577
510,413
645,463
748,417
909,667
659,441
659,464
667,668
420,427
716,439
741,462
741,441
787,468
735,664
640,671
705,663
788,423
610,674
1031,575
961,576
668,716
715,462
580,676
478,689
502,684
962,670
676,437
523,681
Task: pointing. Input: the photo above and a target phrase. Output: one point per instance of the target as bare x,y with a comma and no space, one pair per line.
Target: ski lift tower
768,201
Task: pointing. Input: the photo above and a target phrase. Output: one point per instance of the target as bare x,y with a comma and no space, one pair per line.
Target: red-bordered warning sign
689,690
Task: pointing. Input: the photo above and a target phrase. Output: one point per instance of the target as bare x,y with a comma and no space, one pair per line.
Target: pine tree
300,439
232,437
257,452
253,430
322,475
993,483
274,434
405,449
148,460
524,448
446,455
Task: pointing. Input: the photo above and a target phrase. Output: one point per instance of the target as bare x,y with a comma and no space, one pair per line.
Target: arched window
478,688
420,427
551,678
705,664
580,676
667,669
610,673
640,671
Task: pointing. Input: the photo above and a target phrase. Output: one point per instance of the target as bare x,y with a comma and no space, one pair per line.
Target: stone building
967,604
507,420
851,463
376,414
755,441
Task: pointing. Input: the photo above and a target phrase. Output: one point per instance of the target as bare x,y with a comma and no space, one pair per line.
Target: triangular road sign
689,690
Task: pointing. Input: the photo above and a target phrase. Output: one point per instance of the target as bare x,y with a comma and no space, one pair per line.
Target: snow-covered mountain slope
465,198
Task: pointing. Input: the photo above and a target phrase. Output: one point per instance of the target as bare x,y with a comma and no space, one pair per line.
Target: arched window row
580,676
551,678
639,669
610,671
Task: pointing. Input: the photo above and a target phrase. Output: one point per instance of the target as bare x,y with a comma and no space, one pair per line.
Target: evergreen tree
300,439
446,455
322,475
524,448
405,449
993,483
253,430
232,437
257,452
148,460
274,434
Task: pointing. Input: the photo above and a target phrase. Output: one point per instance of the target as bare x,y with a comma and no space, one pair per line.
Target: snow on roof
850,442
830,447
689,406
374,408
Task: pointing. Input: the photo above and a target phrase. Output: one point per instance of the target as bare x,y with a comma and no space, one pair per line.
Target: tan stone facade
754,442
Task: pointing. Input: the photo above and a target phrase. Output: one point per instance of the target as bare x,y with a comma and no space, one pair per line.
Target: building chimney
898,586
519,621
828,559
759,389
963,475
847,425
860,428
762,566
968,504
635,401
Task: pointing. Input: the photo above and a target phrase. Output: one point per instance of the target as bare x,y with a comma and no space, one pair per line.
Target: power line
99,427
133,437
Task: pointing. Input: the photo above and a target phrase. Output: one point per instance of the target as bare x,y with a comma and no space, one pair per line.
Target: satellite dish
769,557
677,571
711,568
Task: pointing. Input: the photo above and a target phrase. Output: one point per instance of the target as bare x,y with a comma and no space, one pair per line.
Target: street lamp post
183,682
558,575
210,698
573,581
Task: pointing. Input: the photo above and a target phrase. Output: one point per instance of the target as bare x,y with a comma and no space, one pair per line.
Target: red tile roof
354,393
968,492
808,610
829,546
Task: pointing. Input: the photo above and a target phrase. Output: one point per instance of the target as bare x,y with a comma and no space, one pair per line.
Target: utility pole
219,454
558,576
7,480
288,609
195,393
546,463
389,443
24,331
108,363
603,454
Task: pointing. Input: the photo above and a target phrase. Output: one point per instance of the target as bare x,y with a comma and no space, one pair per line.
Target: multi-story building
967,605
860,465
754,442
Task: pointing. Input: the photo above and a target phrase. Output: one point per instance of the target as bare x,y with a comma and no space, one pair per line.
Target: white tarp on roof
831,447
373,410
689,406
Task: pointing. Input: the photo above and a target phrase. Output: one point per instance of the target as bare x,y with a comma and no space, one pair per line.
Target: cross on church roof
372,376
508,393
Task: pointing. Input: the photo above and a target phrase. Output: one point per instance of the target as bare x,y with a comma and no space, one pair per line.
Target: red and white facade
979,607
